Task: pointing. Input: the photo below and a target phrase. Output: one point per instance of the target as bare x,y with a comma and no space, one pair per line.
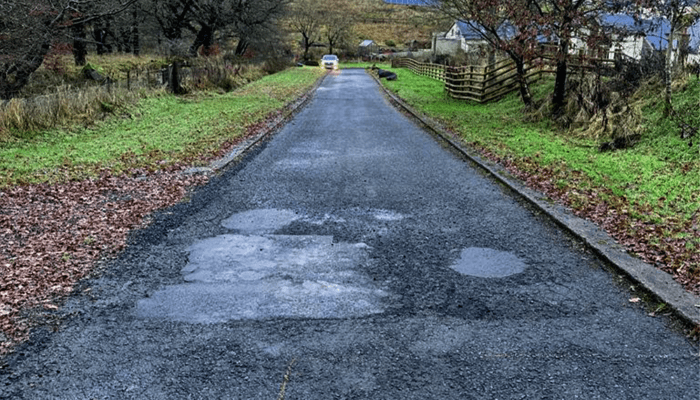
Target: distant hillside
389,25
382,22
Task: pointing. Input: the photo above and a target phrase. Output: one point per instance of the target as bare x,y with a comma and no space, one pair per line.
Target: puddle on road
259,275
488,263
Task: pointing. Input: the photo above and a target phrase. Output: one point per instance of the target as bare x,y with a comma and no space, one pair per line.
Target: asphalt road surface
352,257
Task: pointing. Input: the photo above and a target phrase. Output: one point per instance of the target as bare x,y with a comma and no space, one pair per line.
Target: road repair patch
261,275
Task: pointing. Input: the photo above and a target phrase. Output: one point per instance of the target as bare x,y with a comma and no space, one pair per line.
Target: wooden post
448,81
174,78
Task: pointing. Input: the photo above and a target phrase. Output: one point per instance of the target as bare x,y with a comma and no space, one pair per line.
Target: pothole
488,263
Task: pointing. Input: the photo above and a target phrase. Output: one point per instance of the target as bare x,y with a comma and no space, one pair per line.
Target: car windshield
329,58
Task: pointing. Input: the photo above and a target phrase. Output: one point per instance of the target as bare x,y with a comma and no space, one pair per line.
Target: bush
275,64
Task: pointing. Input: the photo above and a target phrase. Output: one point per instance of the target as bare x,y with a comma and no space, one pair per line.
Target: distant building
469,37
367,48
636,39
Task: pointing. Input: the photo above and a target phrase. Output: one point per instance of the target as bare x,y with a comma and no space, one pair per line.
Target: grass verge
365,64
153,133
647,197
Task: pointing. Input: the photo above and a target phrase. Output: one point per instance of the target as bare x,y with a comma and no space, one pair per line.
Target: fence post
484,77
448,88
174,78
128,79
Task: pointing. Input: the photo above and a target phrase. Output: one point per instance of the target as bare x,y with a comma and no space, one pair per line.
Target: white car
329,61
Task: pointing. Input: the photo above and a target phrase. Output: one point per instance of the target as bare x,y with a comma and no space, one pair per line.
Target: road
352,257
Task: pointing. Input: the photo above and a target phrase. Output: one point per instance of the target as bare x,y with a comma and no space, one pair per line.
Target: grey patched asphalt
356,257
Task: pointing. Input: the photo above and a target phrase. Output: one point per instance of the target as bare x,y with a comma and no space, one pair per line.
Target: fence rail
484,83
435,71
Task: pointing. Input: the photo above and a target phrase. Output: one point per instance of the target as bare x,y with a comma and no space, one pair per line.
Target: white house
470,35
632,40
639,38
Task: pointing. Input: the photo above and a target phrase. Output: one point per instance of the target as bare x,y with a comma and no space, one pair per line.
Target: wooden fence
490,82
435,71
483,83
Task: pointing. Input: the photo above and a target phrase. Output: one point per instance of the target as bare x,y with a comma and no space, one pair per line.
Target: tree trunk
100,35
204,38
124,42
79,44
668,72
559,96
307,46
174,79
108,32
332,41
525,94
135,38
14,75
241,47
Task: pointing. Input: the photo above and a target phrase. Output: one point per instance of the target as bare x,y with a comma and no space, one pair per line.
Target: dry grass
66,105
58,93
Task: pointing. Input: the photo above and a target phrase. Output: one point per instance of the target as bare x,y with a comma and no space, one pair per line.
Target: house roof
471,30
366,43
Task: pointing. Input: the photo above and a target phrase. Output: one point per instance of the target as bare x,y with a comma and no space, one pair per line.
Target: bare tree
305,19
511,26
207,20
171,17
337,23
517,27
568,19
257,20
678,14
29,27
120,30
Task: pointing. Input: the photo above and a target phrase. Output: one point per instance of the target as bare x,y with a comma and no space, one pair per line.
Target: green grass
661,166
656,183
155,132
363,64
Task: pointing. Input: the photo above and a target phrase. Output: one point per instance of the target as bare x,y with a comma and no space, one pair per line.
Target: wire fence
99,93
